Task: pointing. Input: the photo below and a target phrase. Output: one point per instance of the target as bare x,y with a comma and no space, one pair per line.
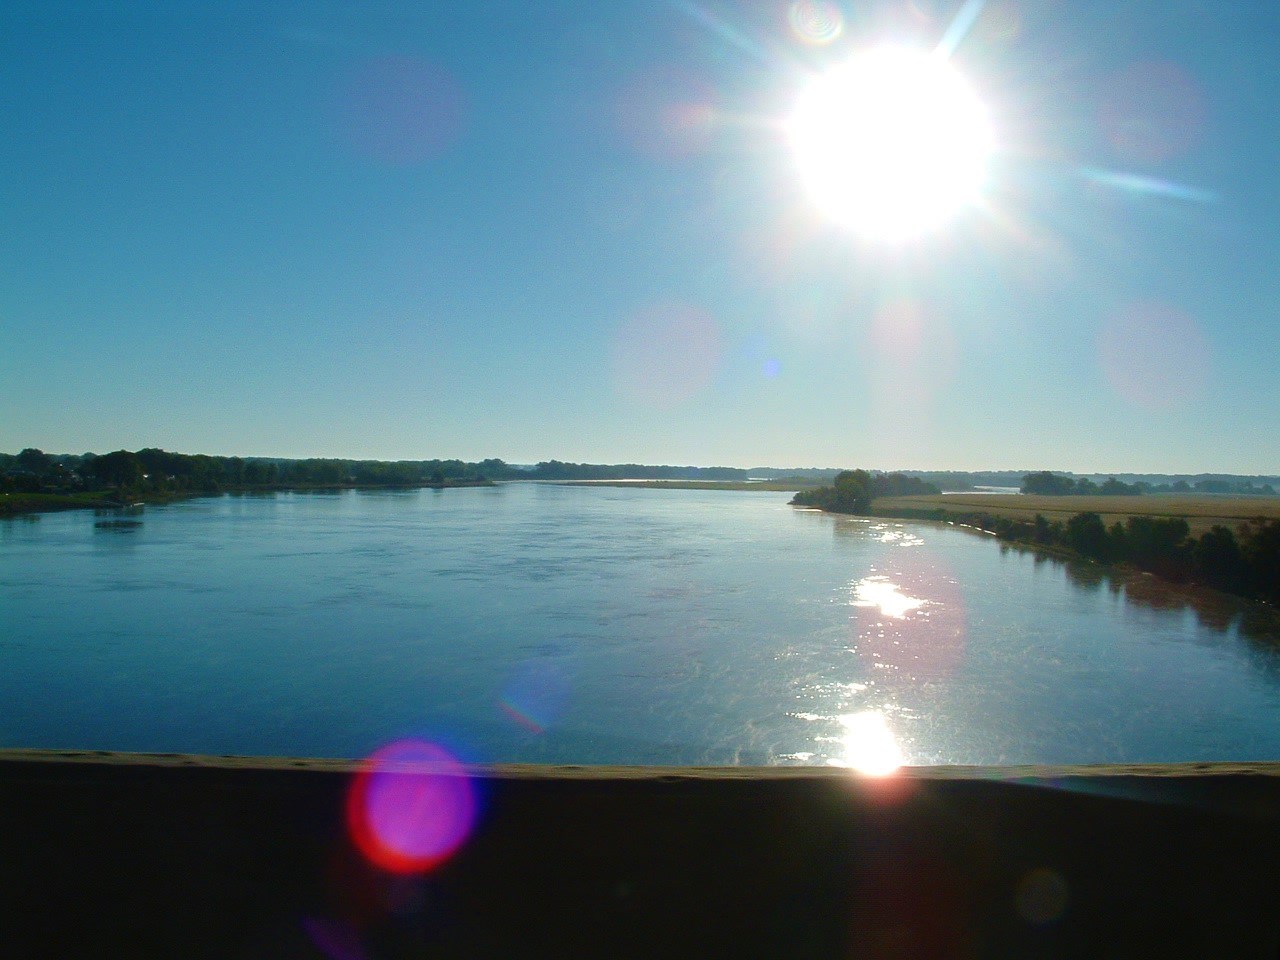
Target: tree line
1046,483
558,470
853,491
1245,562
152,470
1049,484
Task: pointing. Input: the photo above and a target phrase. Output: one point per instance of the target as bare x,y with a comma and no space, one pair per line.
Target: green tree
120,469
35,461
1159,544
853,491
1115,488
1260,549
1048,484
1040,531
1087,535
1218,559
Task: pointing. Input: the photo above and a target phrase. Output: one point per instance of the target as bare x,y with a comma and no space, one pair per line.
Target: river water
541,623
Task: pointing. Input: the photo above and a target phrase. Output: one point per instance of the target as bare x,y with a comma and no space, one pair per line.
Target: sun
893,143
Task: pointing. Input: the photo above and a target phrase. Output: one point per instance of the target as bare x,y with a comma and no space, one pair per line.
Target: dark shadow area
110,856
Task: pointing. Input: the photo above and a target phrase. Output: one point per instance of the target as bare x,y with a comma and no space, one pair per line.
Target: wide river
541,623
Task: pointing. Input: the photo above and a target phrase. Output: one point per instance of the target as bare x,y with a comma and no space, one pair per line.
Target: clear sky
576,230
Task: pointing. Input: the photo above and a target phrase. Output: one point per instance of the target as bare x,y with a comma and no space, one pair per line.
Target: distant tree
853,491
850,492
119,469
1213,486
900,485
1048,484
1114,488
35,461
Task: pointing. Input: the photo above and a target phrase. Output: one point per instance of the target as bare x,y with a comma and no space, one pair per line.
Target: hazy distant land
782,485
32,481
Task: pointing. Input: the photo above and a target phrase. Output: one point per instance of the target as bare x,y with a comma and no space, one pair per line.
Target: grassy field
1200,511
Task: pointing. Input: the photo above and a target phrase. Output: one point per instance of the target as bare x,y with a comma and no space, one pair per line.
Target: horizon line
717,466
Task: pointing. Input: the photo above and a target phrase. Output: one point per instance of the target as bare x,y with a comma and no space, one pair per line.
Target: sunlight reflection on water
869,745
879,592
534,623
896,535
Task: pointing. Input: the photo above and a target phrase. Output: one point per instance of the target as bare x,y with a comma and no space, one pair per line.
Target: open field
1200,511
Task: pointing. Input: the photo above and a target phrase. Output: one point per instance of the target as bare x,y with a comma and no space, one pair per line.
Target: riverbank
1235,552
14,504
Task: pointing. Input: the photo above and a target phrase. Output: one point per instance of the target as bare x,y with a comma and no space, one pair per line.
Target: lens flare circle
816,21
892,143
411,806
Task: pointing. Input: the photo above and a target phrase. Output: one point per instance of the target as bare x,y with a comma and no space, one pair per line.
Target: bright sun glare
869,745
892,143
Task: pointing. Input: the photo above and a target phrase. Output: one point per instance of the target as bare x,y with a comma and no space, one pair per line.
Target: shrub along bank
1245,562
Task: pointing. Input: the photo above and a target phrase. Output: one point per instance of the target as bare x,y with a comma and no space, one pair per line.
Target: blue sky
575,230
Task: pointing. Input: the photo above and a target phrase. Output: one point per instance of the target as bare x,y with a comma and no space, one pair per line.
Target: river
541,623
